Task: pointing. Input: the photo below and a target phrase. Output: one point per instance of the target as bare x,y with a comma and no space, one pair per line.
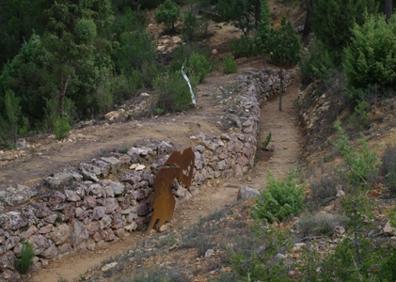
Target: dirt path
212,197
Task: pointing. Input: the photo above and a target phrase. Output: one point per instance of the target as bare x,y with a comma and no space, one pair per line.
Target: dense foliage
280,199
370,59
333,20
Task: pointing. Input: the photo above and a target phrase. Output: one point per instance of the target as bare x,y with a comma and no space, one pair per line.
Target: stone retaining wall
106,198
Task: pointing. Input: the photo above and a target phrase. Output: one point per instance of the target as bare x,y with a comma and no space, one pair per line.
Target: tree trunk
257,13
62,95
388,8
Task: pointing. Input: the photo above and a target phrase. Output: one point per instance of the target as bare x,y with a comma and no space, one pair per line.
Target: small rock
247,193
209,253
109,266
340,194
164,227
388,229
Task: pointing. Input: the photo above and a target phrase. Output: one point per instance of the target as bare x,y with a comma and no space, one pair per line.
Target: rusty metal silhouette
179,166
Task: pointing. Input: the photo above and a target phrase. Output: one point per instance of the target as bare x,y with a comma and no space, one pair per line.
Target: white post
193,99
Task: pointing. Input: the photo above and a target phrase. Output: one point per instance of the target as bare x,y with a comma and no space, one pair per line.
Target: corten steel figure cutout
179,166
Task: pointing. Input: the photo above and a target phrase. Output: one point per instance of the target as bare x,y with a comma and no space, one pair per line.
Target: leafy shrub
320,224
61,127
229,65
280,199
361,163
243,47
174,94
25,260
325,190
316,63
360,118
168,13
370,57
284,45
198,66
388,168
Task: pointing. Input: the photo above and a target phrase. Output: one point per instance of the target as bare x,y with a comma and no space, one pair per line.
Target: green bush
362,165
168,13
370,59
280,200
243,47
388,168
10,121
320,224
198,66
229,65
316,63
284,45
362,262
25,260
190,24
61,127
360,116
174,94
332,21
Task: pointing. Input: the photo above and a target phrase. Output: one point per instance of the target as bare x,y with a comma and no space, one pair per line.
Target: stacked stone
104,199
82,208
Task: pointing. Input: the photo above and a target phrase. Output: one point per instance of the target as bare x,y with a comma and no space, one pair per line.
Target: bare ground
286,140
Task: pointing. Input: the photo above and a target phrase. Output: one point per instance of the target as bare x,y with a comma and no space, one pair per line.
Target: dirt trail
212,197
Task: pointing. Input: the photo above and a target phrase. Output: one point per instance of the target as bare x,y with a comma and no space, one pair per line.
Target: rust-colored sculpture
179,166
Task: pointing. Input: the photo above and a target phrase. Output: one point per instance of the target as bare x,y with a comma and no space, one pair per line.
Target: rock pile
104,199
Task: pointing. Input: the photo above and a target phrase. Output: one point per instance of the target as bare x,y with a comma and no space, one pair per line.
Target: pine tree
333,20
265,22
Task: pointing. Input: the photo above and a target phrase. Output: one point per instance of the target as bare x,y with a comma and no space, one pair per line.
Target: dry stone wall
108,197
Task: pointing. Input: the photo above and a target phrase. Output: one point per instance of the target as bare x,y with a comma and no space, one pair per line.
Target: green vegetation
316,63
266,142
284,45
10,125
168,13
370,57
388,168
333,21
25,260
61,127
174,92
320,224
198,66
251,264
361,165
280,199
229,65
